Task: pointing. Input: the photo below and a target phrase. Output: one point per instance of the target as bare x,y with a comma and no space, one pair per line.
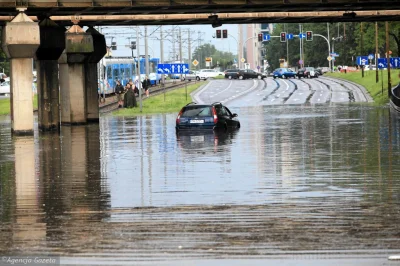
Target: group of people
127,95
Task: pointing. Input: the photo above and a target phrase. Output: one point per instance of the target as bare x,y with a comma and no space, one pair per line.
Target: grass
174,100
369,82
5,105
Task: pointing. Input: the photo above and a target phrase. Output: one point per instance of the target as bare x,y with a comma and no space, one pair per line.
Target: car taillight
215,115
179,116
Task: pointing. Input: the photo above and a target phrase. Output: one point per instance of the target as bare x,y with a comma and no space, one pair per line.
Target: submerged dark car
206,116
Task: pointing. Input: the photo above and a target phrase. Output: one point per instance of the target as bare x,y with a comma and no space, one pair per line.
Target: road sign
335,54
266,37
208,59
362,60
289,36
302,35
258,67
195,62
371,56
177,68
300,62
395,62
382,63
329,58
243,60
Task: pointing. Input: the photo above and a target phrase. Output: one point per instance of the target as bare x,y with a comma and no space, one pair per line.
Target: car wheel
183,79
283,76
230,77
238,125
259,77
309,76
240,77
198,78
225,127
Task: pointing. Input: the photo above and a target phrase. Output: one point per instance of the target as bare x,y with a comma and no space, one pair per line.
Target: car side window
228,111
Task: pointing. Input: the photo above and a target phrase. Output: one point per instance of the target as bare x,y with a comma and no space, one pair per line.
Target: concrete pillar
78,45
20,40
52,44
91,78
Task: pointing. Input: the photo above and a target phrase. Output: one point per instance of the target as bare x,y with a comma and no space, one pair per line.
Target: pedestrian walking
119,91
129,97
146,85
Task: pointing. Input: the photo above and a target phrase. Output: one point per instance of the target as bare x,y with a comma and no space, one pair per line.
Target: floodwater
294,185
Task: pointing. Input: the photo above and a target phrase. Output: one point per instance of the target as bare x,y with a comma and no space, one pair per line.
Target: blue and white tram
123,69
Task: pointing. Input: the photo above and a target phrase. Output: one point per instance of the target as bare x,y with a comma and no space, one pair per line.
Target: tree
4,62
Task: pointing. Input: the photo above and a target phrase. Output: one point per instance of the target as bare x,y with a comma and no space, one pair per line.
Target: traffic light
224,33
219,34
114,45
133,45
260,37
309,36
283,36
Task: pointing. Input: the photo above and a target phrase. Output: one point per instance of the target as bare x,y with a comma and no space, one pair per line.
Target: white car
209,73
5,87
192,75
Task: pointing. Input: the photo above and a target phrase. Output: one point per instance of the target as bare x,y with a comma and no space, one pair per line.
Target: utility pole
287,47
139,81
146,51
376,52
180,48
189,49
161,46
362,48
240,46
329,40
388,58
301,65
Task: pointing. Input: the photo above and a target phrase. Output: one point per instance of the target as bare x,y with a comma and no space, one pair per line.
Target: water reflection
292,179
58,188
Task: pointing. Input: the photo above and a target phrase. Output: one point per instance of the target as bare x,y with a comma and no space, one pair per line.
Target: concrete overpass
304,10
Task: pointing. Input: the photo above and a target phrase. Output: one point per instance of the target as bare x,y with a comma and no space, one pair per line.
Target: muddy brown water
295,182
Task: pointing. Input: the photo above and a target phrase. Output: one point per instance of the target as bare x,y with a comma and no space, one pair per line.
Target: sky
121,36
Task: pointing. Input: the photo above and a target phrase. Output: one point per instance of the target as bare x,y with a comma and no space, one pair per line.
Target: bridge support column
52,44
21,38
78,45
91,77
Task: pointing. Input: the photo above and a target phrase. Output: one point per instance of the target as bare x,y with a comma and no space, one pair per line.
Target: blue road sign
395,62
177,68
335,54
362,60
382,63
266,37
289,36
302,35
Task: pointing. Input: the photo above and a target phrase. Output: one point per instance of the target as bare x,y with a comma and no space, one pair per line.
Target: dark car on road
206,116
232,73
308,72
250,74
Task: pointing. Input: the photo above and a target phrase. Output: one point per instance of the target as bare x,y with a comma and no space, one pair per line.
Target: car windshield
197,111
310,68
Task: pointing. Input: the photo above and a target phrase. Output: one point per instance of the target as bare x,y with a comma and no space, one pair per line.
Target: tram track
113,104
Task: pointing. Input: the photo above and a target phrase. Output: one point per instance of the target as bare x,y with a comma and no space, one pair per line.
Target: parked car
319,71
191,75
232,73
206,116
209,73
250,74
301,73
284,73
5,87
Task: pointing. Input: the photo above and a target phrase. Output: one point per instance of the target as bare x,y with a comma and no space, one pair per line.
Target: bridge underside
156,7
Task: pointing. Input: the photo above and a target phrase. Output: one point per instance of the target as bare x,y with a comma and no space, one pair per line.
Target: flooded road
295,183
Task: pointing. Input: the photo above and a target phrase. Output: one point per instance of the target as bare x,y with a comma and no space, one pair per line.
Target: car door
231,120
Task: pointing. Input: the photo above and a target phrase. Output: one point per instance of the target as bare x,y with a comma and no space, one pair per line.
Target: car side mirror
234,115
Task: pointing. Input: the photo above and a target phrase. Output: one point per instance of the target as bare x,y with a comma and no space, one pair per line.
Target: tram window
121,72
127,72
109,73
115,73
